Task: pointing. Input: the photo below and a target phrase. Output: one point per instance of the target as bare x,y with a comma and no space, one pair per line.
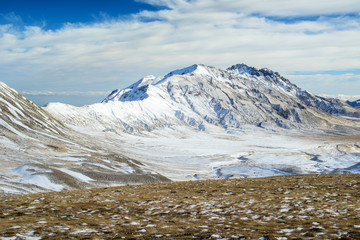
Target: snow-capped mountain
39,153
204,97
202,122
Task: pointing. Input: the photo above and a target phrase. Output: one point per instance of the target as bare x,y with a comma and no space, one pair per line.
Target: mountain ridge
200,95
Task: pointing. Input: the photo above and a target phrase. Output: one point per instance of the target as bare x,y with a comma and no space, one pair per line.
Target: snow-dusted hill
39,153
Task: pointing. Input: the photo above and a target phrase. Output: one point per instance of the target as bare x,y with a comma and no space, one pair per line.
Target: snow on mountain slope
274,80
19,114
204,97
202,122
39,153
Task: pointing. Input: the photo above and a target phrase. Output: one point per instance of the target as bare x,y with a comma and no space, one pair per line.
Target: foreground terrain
282,207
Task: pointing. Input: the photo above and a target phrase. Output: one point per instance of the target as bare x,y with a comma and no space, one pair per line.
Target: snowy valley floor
103,159
184,154
325,206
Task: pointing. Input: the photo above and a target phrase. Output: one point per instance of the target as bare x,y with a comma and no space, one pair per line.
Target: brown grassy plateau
283,207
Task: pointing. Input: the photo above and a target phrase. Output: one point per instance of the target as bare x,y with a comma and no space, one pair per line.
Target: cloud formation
301,36
267,8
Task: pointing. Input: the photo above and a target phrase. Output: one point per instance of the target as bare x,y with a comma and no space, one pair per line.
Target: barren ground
283,207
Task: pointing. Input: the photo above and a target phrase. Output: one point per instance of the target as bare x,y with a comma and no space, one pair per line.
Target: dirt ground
283,207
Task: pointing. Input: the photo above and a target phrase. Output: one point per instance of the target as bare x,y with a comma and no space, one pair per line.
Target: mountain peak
184,71
243,69
200,95
136,90
150,79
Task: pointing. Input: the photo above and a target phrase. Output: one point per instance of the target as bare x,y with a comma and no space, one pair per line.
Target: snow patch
77,175
37,176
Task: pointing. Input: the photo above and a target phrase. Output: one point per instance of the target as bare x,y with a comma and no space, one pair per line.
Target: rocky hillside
285,207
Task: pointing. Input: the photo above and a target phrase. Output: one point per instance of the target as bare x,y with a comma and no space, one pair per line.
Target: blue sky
54,14
78,51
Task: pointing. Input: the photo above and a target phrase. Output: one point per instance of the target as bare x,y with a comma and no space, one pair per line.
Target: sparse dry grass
285,207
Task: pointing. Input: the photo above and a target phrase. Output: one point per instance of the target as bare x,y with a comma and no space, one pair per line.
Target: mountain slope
39,153
18,114
204,97
273,79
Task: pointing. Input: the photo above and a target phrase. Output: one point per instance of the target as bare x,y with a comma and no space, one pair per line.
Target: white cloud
284,8
12,18
115,53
